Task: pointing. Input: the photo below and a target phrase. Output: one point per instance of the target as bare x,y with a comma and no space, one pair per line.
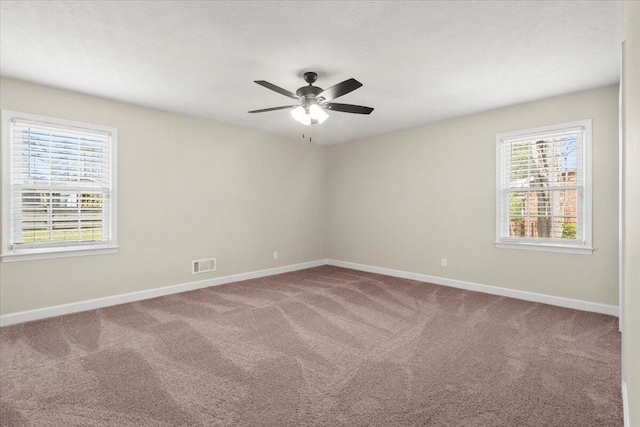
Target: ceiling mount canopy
314,101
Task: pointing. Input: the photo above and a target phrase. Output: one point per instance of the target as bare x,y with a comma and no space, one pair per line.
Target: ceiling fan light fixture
304,117
317,113
301,116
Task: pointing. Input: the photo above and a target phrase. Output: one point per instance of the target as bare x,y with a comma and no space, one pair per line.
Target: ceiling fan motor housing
308,92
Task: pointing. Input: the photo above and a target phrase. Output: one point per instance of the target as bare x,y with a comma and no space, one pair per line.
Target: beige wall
632,208
396,201
406,199
188,188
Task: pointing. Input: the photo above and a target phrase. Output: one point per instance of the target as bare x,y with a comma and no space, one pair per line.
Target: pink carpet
320,347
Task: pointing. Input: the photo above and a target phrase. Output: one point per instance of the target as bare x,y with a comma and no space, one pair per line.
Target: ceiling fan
313,100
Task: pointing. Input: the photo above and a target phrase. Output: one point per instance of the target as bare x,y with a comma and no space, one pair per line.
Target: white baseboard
595,307
58,310
625,405
74,307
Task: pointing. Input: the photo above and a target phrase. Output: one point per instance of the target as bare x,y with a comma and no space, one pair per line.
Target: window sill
59,253
545,247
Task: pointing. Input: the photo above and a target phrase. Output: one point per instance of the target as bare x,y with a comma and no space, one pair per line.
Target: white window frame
7,254
584,247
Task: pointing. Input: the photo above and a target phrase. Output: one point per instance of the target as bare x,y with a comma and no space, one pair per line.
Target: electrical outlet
275,255
443,263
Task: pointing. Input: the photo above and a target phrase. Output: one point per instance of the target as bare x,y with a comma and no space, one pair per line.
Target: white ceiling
419,61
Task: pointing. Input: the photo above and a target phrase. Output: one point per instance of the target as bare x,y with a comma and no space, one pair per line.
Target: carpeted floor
320,347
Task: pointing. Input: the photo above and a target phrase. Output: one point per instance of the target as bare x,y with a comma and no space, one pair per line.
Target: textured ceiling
419,61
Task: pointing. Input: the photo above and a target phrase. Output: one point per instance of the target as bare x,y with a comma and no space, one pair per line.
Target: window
544,188
58,187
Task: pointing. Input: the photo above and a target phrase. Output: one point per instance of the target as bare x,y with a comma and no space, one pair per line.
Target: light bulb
298,113
317,113
301,116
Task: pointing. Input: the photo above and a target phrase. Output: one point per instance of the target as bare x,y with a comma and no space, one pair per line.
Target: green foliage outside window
568,231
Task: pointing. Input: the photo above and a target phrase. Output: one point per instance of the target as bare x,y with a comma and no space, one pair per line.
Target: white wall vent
203,265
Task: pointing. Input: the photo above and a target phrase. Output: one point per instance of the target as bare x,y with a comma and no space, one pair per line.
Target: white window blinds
61,184
541,186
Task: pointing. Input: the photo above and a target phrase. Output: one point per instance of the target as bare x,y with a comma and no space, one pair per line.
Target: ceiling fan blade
277,89
264,110
340,89
347,108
